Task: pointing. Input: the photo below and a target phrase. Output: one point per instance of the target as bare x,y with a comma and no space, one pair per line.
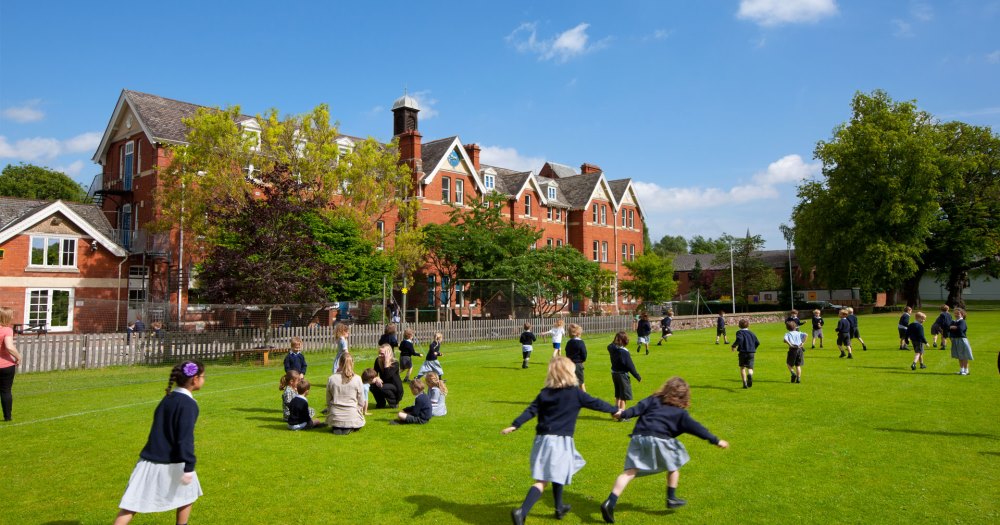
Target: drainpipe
118,302
617,267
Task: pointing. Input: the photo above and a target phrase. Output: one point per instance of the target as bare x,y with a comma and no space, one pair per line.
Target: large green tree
748,271
699,244
552,277
651,278
670,245
28,181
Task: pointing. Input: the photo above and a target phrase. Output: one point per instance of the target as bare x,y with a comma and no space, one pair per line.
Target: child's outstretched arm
525,416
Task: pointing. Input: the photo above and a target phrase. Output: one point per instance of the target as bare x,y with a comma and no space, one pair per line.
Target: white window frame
445,189
604,214
548,212
63,251
548,242
459,192
28,309
597,255
631,252
552,192
595,213
380,226
631,219
624,252
527,205
558,243
604,251
623,218
489,182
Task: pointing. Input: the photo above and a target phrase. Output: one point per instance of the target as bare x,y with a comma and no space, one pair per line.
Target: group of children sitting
428,388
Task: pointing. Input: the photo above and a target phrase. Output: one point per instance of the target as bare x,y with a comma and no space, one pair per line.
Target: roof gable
436,153
20,214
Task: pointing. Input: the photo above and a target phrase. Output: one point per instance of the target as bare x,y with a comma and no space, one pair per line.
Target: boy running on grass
915,333
796,342
747,343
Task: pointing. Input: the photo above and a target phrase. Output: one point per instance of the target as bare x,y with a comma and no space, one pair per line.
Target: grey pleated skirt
431,366
555,459
651,455
156,487
960,349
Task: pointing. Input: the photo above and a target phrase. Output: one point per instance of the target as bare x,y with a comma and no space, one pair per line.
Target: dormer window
489,181
552,192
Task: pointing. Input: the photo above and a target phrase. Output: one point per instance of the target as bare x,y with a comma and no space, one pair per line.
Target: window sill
52,269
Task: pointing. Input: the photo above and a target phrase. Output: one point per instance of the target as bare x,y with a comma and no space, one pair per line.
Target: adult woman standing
960,348
345,398
9,359
387,388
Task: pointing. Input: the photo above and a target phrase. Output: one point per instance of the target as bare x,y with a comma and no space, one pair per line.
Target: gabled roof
561,170
434,153
578,188
618,188
17,215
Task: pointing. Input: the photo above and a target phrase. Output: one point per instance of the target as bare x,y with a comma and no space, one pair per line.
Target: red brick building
600,217
61,269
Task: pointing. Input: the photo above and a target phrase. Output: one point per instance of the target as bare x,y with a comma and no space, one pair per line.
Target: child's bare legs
620,403
124,516
183,513
583,387
401,416
623,480
743,375
964,364
798,373
407,377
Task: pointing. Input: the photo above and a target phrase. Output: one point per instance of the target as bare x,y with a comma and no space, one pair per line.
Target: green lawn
860,441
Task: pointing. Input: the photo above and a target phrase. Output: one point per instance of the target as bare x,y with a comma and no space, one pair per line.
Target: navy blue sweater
720,322
817,323
853,319
406,349
621,361
557,409
171,438
643,329
665,421
388,339
298,411
527,338
904,320
295,361
422,407
958,329
797,321
746,341
943,322
915,333
844,326
433,351
576,350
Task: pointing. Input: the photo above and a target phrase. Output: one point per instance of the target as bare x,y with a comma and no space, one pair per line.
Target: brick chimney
409,152
586,168
473,151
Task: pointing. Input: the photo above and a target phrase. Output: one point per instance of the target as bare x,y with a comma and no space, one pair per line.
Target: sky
713,109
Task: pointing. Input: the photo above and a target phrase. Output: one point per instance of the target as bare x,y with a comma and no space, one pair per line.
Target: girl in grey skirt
960,348
554,458
654,447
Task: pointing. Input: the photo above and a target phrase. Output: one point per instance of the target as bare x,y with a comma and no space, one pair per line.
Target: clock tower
404,112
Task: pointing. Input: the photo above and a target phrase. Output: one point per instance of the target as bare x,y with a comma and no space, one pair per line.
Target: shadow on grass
989,453
712,387
939,433
63,522
517,367
522,403
266,410
479,513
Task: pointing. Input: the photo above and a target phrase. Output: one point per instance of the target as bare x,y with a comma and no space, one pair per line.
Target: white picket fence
48,352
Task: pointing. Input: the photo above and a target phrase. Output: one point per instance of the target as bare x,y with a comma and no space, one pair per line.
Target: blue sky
712,108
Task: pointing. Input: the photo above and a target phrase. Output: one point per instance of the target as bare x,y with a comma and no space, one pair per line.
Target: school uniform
621,367
941,326
406,354
438,406
960,348
796,350
746,344
904,323
853,319
642,331
576,351
794,319
527,339
843,332
665,323
391,391
295,361
341,350
299,417
720,327
654,446
557,335
421,412
431,363
554,457
154,485
817,325
389,339
915,333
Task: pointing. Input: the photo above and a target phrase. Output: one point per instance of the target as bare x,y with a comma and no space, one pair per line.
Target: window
127,165
604,214
445,282
558,242
548,212
558,214
527,205
548,242
624,252
51,307
604,251
631,219
631,252
430,290
595,214
552,192
125,226
380,226
459,192
57,252
623,218
138,278
596,254
489,181
445,189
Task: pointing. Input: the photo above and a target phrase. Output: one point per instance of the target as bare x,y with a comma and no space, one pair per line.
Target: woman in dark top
387,388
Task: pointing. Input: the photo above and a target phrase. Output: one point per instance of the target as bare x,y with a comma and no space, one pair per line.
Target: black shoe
913,366
850,356
657,344
798,379
923,366
406,380
750,380
935,345
561,511
794,377
716,342
607,511
647,351
673,503
745,385
517,517
843,354
864,348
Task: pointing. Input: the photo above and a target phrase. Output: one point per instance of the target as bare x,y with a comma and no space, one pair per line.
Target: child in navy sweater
576,351
720,328
902,326
915,333
431,362
422,409
746,342
817,332
855,333
665,330
164,478
299,413
406,354
527,340
642,331
844,335
654,447
941,326
295,360
621,367
554,458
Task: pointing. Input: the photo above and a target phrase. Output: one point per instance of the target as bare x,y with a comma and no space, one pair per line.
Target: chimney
473,151
586,168
409,152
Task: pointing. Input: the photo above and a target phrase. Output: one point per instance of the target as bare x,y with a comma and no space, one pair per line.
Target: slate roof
772,258
562,170
431,152
14,210
618,188
163,116
578,189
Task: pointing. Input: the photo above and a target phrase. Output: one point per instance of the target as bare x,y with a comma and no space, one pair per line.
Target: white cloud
659,34
787,169
561,48
28,112
994,57
46,148
73,169
922,12
769,13
903,29
426,103
509,158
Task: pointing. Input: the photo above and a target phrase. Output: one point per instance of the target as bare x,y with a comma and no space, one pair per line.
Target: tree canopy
749,272
699,244
670,245
651,278
553,276
27,181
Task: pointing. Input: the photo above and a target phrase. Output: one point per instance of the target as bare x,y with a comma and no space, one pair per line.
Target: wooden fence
47,352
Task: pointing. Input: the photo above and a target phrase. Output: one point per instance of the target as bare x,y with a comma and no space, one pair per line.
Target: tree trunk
911,289
958,280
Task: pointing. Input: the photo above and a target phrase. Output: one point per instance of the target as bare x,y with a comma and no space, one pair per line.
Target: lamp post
789,234
732,276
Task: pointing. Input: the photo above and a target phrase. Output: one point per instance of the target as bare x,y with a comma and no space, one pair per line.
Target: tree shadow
266,410
938,433
475,513
712,387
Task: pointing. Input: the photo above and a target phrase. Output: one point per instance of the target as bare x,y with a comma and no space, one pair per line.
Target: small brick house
60,267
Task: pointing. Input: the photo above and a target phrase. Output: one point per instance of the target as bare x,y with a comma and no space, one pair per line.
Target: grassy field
859,441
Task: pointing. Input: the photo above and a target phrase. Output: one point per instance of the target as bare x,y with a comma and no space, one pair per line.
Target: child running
431,363
295,360
855,333
796,342
665,330
654,447
436,391
942,326
720,328
406,354
844,335
817,333
554,458
621,367
576,351
164,478
642,331
340,334
300,416
556,332
747,343
527,340
904,323
915,333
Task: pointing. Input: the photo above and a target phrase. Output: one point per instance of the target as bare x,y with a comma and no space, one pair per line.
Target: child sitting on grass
299,413
288,385
436,390
367,376
654,447
421,411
